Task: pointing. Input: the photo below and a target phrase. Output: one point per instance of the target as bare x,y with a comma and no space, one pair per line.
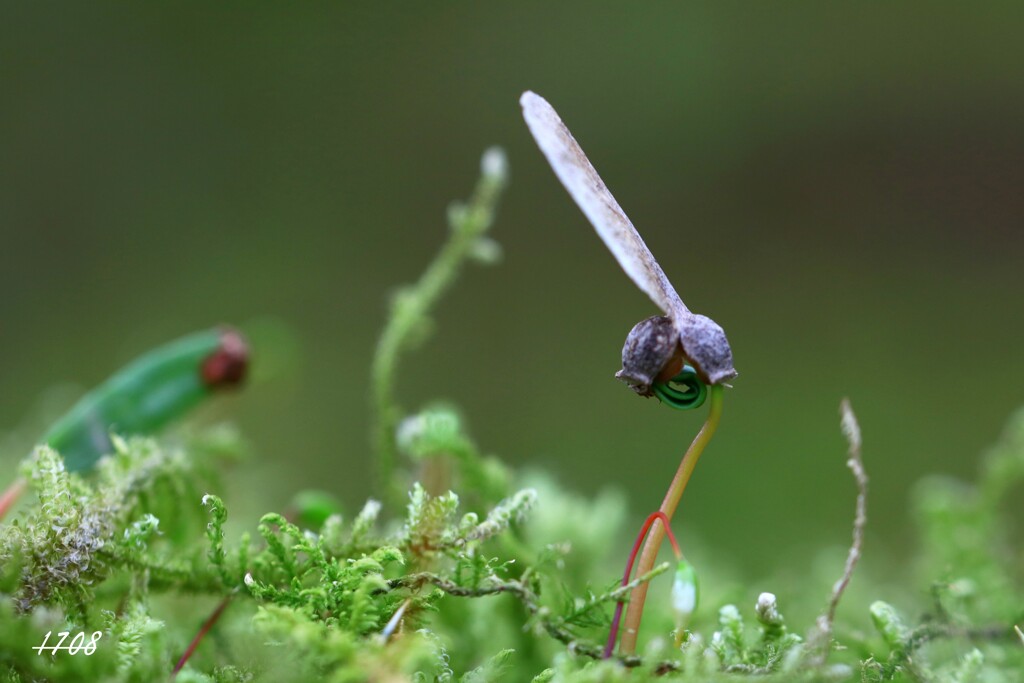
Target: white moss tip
494,164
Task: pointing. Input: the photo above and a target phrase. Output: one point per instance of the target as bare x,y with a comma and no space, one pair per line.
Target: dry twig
820,640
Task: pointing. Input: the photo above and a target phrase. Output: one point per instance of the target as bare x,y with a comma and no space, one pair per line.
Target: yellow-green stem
649,555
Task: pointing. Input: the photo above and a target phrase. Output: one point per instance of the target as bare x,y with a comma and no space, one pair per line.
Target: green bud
313,507
889,624
485,250
685,592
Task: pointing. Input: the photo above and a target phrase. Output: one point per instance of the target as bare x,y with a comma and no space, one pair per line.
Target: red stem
613,636
9,497
203,630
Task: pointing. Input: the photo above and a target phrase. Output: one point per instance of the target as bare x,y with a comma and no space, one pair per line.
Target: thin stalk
203,630
654,516
412,306
668,506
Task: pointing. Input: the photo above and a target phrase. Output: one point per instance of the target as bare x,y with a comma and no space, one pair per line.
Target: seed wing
592,196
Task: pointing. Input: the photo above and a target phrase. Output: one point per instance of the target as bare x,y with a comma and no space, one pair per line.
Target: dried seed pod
650,348
703,341
706,348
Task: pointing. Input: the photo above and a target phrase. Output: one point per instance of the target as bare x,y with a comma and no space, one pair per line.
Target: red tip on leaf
226,367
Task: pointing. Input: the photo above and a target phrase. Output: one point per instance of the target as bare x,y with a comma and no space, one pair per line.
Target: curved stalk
635,610
654,516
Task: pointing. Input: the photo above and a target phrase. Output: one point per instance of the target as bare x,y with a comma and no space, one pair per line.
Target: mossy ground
465,569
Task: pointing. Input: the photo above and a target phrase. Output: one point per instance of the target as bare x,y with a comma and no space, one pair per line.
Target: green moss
476,573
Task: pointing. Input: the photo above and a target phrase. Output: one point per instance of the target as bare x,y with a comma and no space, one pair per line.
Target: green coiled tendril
685,391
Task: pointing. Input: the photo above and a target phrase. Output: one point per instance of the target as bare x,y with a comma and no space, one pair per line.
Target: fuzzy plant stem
411,307
659,515
668,506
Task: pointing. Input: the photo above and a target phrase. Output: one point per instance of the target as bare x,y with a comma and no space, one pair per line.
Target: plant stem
668,506
659,515
203,630
820,642
554,625
409,317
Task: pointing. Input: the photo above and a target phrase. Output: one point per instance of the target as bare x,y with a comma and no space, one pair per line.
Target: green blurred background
838,184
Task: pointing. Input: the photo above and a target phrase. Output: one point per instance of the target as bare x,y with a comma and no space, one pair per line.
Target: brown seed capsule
226,367
706,348
657,347
651,346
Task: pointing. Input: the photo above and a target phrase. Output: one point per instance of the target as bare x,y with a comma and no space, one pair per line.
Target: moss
476,573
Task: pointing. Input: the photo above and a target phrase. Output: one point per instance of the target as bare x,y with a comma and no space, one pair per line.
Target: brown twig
821,639
521,590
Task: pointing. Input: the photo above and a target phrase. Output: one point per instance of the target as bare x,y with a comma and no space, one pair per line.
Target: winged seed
702,340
